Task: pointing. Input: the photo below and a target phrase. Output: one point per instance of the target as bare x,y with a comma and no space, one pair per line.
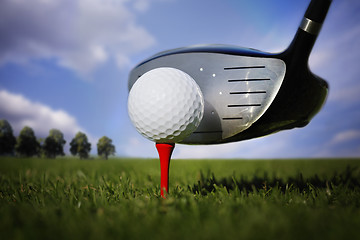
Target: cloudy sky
64,64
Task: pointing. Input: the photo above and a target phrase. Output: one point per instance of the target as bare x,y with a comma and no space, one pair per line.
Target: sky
64,64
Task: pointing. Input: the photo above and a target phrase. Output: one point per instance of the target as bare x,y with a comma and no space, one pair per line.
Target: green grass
209,199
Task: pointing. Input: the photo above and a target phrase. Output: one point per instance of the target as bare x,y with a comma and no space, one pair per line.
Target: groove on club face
249,80
254,92
245,105
247,67
233,118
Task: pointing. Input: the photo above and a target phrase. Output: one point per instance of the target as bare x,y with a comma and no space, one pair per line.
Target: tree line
27,145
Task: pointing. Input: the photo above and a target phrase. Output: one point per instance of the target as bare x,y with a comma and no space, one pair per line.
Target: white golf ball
165,105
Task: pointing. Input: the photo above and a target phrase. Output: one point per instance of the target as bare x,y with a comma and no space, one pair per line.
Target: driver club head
249,93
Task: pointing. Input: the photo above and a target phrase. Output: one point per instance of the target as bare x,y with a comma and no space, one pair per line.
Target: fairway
68,198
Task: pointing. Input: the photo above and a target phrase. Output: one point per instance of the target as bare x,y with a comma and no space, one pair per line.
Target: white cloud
346,136
137,146
144,5
328,52
21,112
280,145
335,56
141,5
122,60
209,151
345,143
273,146
78,34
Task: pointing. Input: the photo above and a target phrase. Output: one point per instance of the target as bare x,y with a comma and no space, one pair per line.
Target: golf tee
165,150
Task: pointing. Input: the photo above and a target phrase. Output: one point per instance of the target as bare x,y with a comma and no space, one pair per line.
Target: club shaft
309,29
317,10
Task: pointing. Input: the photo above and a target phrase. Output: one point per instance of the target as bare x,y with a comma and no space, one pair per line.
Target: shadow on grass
209,183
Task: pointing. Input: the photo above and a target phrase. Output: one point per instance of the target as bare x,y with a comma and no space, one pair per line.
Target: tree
27,145
80,145
105,147
7,139
54,144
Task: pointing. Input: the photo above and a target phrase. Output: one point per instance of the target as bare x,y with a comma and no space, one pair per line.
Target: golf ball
165,105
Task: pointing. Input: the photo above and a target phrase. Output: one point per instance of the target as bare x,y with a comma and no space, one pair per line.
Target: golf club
249,93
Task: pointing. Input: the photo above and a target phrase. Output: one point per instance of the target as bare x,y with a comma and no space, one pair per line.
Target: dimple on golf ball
165,105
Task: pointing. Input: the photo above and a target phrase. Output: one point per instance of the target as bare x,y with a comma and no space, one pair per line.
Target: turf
209,199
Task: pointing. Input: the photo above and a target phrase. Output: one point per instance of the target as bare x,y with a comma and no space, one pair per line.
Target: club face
238,86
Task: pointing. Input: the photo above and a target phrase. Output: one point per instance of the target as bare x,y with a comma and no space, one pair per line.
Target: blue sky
64,64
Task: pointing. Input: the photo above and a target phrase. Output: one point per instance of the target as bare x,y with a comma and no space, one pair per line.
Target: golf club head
249,93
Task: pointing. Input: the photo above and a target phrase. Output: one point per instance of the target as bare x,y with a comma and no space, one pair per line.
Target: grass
209,199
